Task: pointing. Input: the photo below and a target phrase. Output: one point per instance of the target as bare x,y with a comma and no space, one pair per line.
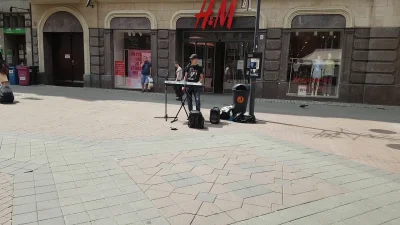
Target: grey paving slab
206,197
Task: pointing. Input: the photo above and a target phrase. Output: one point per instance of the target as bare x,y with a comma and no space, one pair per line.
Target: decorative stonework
339,10
130,13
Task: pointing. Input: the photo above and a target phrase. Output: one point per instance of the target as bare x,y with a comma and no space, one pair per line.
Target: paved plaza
73,156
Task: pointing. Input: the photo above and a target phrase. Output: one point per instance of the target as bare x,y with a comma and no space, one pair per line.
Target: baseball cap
193,56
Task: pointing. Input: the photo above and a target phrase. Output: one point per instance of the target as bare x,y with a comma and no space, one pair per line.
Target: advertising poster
119,68
135,59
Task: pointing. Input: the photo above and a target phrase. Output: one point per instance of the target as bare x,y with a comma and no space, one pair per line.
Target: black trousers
178,91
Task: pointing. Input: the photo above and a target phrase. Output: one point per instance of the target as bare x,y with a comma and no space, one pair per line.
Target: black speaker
196,120
215,115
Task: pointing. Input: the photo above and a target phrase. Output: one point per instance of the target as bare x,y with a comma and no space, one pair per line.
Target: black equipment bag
226,112
214,115
196,120
6,95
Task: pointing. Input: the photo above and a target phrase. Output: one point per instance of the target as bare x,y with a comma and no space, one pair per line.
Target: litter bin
24,76
13,75
240,98
33,71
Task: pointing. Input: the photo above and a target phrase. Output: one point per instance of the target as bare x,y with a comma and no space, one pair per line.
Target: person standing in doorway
194,73
179,77
3,71
145,74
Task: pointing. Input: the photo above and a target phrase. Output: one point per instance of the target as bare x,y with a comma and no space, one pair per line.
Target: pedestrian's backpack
6,95
214,115
196,120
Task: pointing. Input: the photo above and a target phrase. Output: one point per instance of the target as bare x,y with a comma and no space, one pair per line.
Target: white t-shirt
179,73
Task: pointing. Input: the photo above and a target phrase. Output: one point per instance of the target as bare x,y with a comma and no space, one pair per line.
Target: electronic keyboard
183,83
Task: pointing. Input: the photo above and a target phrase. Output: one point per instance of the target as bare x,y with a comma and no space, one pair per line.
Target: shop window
314,63
131,48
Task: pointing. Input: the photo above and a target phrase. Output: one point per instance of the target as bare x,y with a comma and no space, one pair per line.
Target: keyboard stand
182,106
166,114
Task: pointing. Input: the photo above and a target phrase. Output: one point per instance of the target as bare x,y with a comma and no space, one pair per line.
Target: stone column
163,58
96,42
272,64
28,40
382,66
107,79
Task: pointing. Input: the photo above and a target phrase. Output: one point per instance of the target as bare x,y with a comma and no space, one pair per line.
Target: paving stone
99,214
239,214
180,198
142,204
221,219
227,205
24,192
54,221
147,214
208,209
49,214
46,196
77,218
26,208
72,200
48,204
172,177
171,211
24,200
191,207
206,197
156,194
127,218
72,209
105,221
154,221
24,218
183,219
163,202
97,204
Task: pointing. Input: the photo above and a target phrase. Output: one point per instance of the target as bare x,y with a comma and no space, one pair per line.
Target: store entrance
221,57
68,58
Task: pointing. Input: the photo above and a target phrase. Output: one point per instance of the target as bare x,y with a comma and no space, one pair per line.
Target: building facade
329,50
15,32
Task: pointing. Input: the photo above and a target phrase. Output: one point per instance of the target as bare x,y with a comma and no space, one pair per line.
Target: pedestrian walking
145,74
3,71
179,77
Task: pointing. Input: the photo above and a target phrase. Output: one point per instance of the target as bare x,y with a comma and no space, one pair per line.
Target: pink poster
135,59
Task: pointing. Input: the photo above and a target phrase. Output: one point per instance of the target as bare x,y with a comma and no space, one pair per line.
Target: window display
314,63
131,48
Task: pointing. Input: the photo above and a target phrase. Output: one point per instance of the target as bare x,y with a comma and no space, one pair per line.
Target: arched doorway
63,46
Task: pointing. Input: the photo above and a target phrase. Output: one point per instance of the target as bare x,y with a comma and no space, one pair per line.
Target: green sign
14,30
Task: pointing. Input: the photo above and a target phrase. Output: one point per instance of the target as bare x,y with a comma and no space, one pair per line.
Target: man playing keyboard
194,73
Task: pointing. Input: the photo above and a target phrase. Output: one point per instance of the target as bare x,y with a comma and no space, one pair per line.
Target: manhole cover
380,131
394,146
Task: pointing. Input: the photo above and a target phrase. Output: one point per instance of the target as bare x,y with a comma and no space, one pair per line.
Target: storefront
315,56
336,52
15,43
131,48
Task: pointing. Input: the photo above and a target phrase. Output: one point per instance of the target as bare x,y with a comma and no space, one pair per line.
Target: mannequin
316,73
328,74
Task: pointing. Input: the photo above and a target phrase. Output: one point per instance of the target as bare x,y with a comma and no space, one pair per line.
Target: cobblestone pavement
96,157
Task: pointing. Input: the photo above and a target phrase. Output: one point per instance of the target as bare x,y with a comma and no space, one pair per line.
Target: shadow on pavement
211,100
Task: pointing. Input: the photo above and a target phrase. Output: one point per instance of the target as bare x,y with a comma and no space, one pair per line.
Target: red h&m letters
222,15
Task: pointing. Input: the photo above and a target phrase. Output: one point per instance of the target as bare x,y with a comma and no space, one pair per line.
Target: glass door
206,59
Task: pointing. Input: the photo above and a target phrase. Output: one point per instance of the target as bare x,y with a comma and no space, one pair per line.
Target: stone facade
370,64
